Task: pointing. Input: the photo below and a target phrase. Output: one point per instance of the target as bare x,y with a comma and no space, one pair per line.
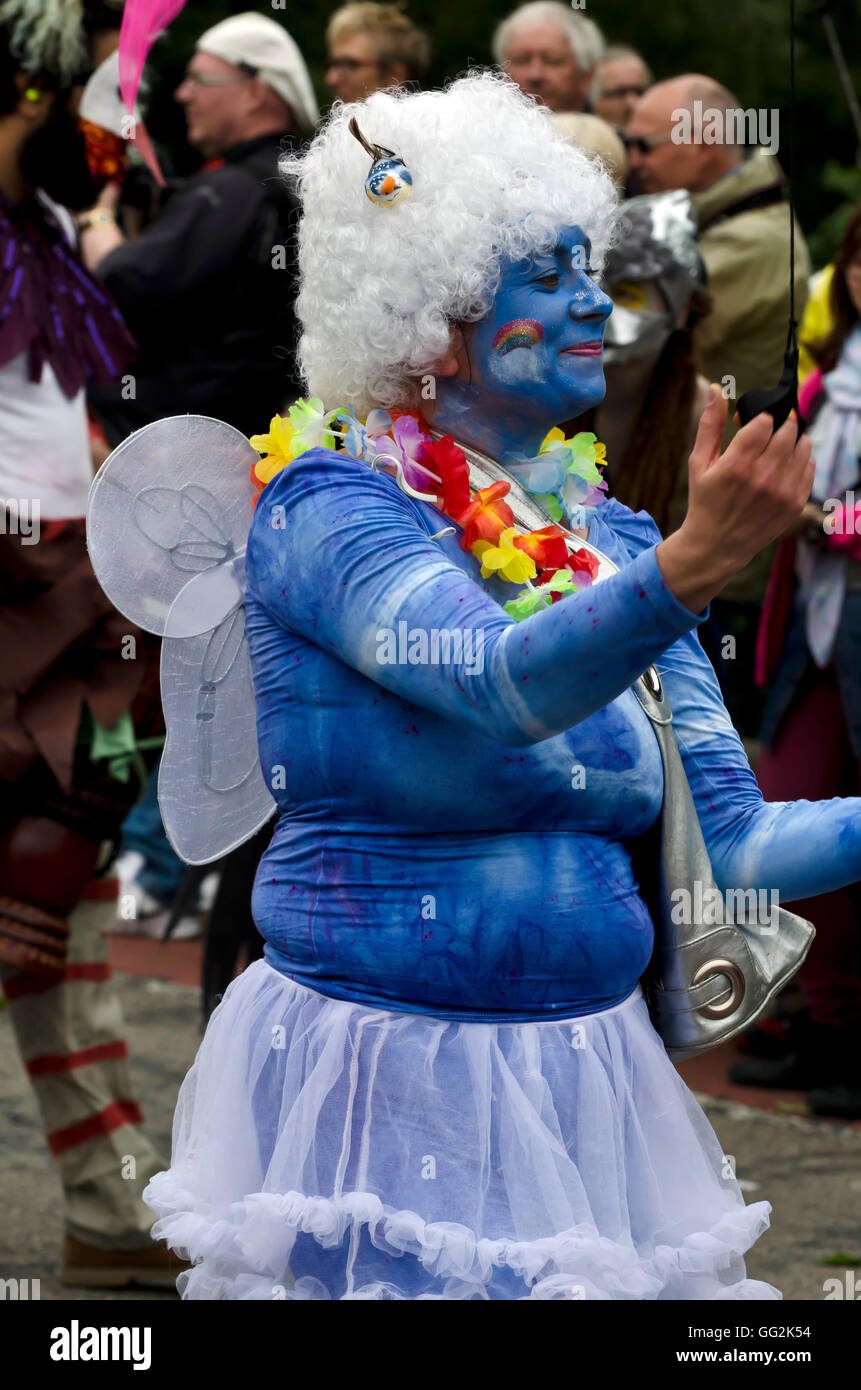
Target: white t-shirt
44,442
44,436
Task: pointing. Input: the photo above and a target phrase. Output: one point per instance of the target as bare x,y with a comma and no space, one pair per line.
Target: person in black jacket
207,287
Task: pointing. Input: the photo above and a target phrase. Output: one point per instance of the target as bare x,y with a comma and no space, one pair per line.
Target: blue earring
389,181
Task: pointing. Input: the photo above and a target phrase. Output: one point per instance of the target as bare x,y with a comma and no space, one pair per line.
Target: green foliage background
742,43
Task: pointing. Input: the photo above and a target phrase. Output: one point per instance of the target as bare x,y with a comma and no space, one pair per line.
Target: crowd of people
124,302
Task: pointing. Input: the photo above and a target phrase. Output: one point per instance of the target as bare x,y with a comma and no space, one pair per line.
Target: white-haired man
207,287
551,52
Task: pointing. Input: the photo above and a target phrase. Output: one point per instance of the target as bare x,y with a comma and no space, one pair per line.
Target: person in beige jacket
740,199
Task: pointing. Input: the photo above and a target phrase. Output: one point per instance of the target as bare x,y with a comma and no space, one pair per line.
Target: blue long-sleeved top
453,833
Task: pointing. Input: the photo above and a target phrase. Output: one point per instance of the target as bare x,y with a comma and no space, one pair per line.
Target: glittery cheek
519,333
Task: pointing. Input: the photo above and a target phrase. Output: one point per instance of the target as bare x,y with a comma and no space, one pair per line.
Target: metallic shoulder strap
529,514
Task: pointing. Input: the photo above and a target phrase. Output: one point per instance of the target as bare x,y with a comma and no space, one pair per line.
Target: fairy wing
167,524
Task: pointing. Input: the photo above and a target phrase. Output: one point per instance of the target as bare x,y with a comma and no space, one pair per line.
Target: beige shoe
90,1267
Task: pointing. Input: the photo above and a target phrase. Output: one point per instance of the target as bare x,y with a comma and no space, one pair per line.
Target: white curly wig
380,286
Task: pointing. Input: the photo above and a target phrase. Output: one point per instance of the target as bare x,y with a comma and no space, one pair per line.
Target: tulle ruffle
328,1150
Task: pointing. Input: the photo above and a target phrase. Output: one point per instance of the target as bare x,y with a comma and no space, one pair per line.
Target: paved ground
162,1033
809,1170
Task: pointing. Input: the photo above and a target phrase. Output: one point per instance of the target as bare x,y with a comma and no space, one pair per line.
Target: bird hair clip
389,181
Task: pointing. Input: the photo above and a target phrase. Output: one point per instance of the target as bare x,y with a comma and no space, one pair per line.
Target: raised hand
739,501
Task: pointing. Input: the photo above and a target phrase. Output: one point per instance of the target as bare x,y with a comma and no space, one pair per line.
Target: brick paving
810,1170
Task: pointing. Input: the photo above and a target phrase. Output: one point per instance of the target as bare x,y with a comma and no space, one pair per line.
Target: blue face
535,359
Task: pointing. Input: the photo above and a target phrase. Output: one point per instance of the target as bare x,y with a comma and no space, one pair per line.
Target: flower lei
567,471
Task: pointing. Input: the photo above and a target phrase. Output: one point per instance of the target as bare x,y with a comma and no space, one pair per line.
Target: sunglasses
644,143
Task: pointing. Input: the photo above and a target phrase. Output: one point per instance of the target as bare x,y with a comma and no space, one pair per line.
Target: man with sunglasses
620,80
207,287
739,197
371,47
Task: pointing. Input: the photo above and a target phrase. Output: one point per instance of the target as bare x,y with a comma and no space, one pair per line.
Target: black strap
763,198
783,398
791,337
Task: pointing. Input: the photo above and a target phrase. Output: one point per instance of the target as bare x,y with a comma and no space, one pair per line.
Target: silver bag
705,983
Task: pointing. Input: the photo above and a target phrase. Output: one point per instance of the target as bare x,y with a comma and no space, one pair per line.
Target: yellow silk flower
582,443
280,446
505,559
554,436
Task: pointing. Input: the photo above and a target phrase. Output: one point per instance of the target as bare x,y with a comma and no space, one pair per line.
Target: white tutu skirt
326,1150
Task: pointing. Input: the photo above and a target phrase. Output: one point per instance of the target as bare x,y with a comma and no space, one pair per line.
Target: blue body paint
505,402
452,840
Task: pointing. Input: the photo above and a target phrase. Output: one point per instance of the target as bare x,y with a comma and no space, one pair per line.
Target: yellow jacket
817,321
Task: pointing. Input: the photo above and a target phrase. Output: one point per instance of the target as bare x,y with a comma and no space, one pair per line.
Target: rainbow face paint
520,333
503,401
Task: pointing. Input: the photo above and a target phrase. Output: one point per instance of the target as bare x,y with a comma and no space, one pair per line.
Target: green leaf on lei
530,601
584,452
551,504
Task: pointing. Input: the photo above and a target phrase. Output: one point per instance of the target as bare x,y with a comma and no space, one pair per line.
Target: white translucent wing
172,501
210,788
167,522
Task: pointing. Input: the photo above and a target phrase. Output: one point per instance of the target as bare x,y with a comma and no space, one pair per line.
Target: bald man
739,196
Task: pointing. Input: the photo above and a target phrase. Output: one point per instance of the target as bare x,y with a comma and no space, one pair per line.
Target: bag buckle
720,966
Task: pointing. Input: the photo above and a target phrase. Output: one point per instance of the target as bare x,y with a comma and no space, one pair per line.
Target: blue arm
338,553
799,848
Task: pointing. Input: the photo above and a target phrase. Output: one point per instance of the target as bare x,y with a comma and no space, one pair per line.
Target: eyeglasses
644,143
211,79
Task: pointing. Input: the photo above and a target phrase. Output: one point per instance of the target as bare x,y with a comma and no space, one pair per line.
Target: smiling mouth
584,350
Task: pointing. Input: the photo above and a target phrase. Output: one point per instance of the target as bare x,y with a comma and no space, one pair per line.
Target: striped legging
69,1027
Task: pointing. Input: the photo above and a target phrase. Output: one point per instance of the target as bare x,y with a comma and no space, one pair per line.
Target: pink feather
143,21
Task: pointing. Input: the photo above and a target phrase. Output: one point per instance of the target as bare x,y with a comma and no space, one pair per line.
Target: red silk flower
487,516
582,561
449,463
546,547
